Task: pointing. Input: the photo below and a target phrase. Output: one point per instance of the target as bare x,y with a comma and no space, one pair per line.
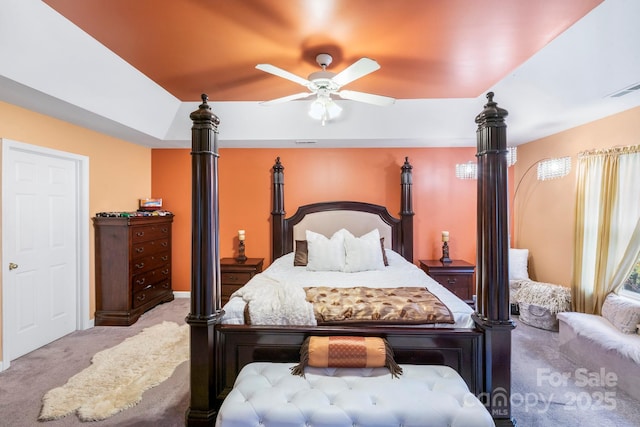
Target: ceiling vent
631,89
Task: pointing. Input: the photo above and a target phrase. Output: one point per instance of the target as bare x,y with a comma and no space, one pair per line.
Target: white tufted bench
267,394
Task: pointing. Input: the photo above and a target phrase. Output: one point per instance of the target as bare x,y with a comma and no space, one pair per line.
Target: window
631,286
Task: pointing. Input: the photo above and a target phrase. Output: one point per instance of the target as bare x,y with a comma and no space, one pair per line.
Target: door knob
12,266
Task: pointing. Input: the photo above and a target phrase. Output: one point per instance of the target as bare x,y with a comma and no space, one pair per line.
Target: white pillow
518,264
363,253
325,254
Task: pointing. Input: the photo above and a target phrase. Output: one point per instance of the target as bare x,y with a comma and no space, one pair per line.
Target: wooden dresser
133,267
457,276
233,274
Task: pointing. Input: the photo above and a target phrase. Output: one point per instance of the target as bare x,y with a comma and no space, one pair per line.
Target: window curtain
607,231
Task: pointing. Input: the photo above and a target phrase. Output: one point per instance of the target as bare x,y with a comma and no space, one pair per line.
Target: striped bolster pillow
346,352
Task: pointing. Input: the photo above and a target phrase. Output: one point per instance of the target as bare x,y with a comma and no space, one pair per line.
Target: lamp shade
554,168
512,156
467,170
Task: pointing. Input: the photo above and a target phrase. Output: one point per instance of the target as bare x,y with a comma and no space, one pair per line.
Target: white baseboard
182,294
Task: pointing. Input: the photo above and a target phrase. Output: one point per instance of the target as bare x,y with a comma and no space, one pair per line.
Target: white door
41,193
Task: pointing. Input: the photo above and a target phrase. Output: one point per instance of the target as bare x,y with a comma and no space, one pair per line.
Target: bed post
205,266
406,210
277,211
492,314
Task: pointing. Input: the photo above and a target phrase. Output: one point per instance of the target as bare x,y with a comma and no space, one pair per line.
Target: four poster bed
476,345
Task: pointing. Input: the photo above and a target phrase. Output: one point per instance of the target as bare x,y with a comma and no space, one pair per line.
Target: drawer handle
165,244
141,297
140,233
165,272
139,250
165,285
165,230
140,265
141,281
165,257
451,281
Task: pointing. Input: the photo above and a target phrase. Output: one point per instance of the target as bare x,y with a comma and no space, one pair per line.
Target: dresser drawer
149,232
149,292
150,247
150,262
457,283
140,281
235,278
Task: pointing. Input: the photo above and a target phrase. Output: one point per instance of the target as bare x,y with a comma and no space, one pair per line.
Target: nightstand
234,274
457,276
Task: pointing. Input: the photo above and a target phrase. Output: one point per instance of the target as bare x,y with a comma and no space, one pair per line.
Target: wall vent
305,141
634,87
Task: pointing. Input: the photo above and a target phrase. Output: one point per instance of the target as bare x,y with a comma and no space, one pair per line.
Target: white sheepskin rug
119,375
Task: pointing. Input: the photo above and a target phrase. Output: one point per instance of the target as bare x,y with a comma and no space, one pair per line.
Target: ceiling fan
324,84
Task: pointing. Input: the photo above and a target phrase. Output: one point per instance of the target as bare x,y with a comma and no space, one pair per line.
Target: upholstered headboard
328,217
330,221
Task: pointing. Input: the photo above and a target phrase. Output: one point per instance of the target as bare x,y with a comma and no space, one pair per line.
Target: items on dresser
234,274
133,266
456,275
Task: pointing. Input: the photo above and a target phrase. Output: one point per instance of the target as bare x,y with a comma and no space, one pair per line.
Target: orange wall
544,210
440,201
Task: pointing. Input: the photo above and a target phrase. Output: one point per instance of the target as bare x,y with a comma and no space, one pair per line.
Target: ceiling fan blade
268,68
360,68
287,98
369,98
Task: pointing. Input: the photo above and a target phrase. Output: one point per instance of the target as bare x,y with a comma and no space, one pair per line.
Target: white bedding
287,282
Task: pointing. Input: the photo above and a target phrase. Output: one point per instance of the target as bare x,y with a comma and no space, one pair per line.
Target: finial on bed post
492,281
205,266
406,209
277,211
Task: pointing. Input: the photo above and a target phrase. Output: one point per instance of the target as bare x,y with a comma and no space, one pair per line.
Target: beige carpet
119,375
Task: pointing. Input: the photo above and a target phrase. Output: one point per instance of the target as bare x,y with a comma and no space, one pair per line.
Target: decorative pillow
301,253
518,264
301,257
346,352
325,254
363,253
623,313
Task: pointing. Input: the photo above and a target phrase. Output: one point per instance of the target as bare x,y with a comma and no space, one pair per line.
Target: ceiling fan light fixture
324,109
326,84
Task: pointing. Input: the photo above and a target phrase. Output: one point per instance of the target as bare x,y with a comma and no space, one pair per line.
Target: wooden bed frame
481,355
